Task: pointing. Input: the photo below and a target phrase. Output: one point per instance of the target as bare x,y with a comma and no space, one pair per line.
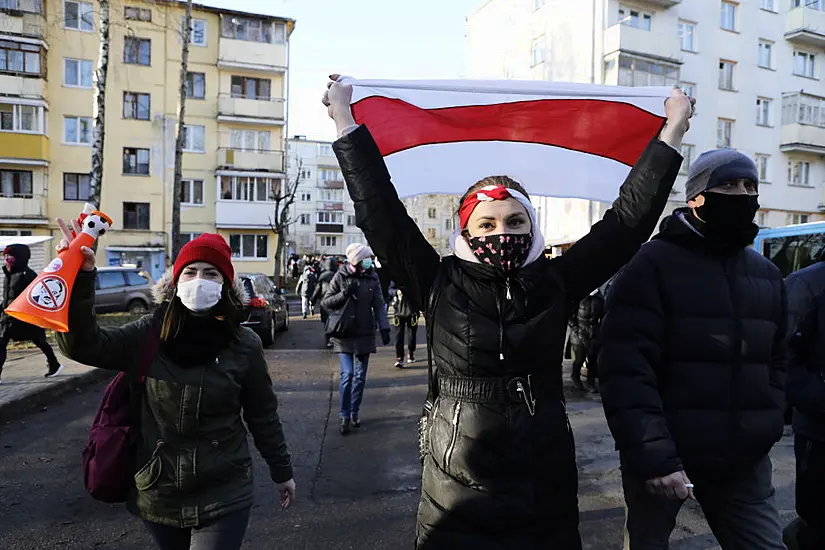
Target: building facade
435,216
324,212
235,124
756,69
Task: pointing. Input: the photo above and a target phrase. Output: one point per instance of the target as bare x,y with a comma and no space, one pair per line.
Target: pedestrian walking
356,286
305,288
693,362
208,383
499,458
405,318
18,276
321,288
584,335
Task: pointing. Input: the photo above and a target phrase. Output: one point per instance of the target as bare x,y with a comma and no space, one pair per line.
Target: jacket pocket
148,476
448,452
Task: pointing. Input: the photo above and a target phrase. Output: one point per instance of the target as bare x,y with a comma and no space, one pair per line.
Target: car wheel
268,333
137,307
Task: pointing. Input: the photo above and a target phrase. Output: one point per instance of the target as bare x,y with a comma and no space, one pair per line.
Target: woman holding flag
500,467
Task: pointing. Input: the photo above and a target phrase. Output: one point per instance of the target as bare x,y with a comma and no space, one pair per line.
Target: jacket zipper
448,454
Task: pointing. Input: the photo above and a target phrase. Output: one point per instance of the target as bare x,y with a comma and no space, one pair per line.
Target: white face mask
199,295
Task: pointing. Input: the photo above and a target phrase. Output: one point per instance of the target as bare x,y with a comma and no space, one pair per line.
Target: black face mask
728,213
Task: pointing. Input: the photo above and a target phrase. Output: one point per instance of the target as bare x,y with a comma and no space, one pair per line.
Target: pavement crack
319,466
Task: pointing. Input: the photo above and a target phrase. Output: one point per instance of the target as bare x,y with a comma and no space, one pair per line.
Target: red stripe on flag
610,129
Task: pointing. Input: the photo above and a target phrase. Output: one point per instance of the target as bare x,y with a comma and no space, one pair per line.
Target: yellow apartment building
235,124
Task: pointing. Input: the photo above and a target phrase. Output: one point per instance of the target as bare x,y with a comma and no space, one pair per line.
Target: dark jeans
225,534
405,324
741,514
40,342
582,353
353,380
810,486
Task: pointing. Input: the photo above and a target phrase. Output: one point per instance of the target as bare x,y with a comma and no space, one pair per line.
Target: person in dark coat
405,318
18,276
585,332
692,365
356,281
500,463
321,288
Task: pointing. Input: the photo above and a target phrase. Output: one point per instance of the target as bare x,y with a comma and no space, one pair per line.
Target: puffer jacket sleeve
260,412
336,295
379,213
802,289
806,386
779,351
625,226
632,340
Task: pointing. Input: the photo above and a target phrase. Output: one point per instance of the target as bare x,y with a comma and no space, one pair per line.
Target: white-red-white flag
558,139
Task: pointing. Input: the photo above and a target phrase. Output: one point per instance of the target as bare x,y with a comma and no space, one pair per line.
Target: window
724,129
336,195
250,140
15,233
538,4
304,219
431,213
763,167
250,247
325,150
726,69
78,130
136,105
804,64
306,197
77,187
330,217
635,18
795,219
762,218
329,174
251,88
133,278
763,111
687,34
20,58
538,51
803,109
194,139
305,173
78,16
249,189
133,13
638,72
252,30
136,215
687,156
136,161
138,51
328,241
16,184
195,85
191,192
728,16
197,34
766,54
769,5
799,173
813,4
110,279
351,220
186,237
26,119
77,73
689,88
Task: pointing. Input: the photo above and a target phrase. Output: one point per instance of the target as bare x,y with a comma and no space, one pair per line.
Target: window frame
78,120
190,77
137,42
19,175
540,40
81,17
760,110
734,7
682,25
140,14
720,121
191,184
135,151
251,186
193,21
137,96
255,257
763,6
39,119
244,80
137,214
766,45
793,164
25,50
188,144
732,65
687,159
80,64
764,172
78,186
810,62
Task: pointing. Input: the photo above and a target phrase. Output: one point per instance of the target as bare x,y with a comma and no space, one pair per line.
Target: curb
16,408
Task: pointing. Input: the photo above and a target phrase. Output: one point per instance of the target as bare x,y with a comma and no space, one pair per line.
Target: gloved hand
385,337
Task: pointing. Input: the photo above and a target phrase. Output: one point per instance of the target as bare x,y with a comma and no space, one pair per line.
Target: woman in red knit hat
193,485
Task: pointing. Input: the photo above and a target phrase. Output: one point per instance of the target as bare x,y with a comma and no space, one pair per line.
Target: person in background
356,281
586,321
206,388
692,365
321,288
18,276
305,289
405,317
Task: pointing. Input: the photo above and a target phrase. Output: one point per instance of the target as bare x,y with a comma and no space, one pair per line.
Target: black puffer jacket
14,283
500,473
370,313
586,320
692,359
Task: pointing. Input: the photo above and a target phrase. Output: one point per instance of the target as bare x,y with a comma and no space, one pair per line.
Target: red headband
499,193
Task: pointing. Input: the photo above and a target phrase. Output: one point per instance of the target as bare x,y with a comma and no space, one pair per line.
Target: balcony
662,3
258,111
802,138
22,86
331,206
805,26
256,56
329,228
243,214
257,161
31,210
25,148
651,44
25,20
332,184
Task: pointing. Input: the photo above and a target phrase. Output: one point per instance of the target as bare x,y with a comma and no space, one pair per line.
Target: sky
363,39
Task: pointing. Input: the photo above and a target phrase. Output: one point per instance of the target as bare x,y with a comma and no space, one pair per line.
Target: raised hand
88,254
337,99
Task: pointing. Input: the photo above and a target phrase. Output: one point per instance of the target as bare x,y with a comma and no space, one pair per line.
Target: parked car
123,289
267,312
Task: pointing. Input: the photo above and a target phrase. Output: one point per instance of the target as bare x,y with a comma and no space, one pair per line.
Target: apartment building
235,124
435,217
324,213
755,67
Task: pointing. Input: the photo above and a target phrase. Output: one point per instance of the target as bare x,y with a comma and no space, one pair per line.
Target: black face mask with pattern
505,252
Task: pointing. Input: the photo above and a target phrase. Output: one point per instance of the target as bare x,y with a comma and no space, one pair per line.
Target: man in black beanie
692,365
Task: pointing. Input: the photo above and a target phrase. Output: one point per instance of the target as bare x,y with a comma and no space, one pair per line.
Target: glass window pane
86,72
71,16
248,246
235,245
70,125
260,189
261,248
197,190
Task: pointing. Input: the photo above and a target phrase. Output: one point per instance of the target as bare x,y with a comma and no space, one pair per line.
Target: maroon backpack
109,456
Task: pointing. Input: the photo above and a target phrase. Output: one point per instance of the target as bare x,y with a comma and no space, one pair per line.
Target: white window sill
767,68
802,185
194,152
75,87
78,30
806,76
27,132
75,144
192,205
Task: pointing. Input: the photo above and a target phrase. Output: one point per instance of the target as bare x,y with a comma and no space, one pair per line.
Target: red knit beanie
210,248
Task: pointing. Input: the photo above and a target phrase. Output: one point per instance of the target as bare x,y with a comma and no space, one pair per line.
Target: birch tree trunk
186,34
101,74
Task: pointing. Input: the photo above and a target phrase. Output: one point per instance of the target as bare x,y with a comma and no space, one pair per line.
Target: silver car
121,289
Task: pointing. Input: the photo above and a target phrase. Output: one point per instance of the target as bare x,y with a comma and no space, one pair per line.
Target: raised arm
633,216
379,213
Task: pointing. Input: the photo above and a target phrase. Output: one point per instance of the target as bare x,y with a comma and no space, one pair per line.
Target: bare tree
101,74
282,218
186,36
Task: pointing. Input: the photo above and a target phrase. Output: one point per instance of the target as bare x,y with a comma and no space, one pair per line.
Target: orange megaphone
45,301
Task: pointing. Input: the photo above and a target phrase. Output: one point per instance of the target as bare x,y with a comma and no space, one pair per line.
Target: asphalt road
358,492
